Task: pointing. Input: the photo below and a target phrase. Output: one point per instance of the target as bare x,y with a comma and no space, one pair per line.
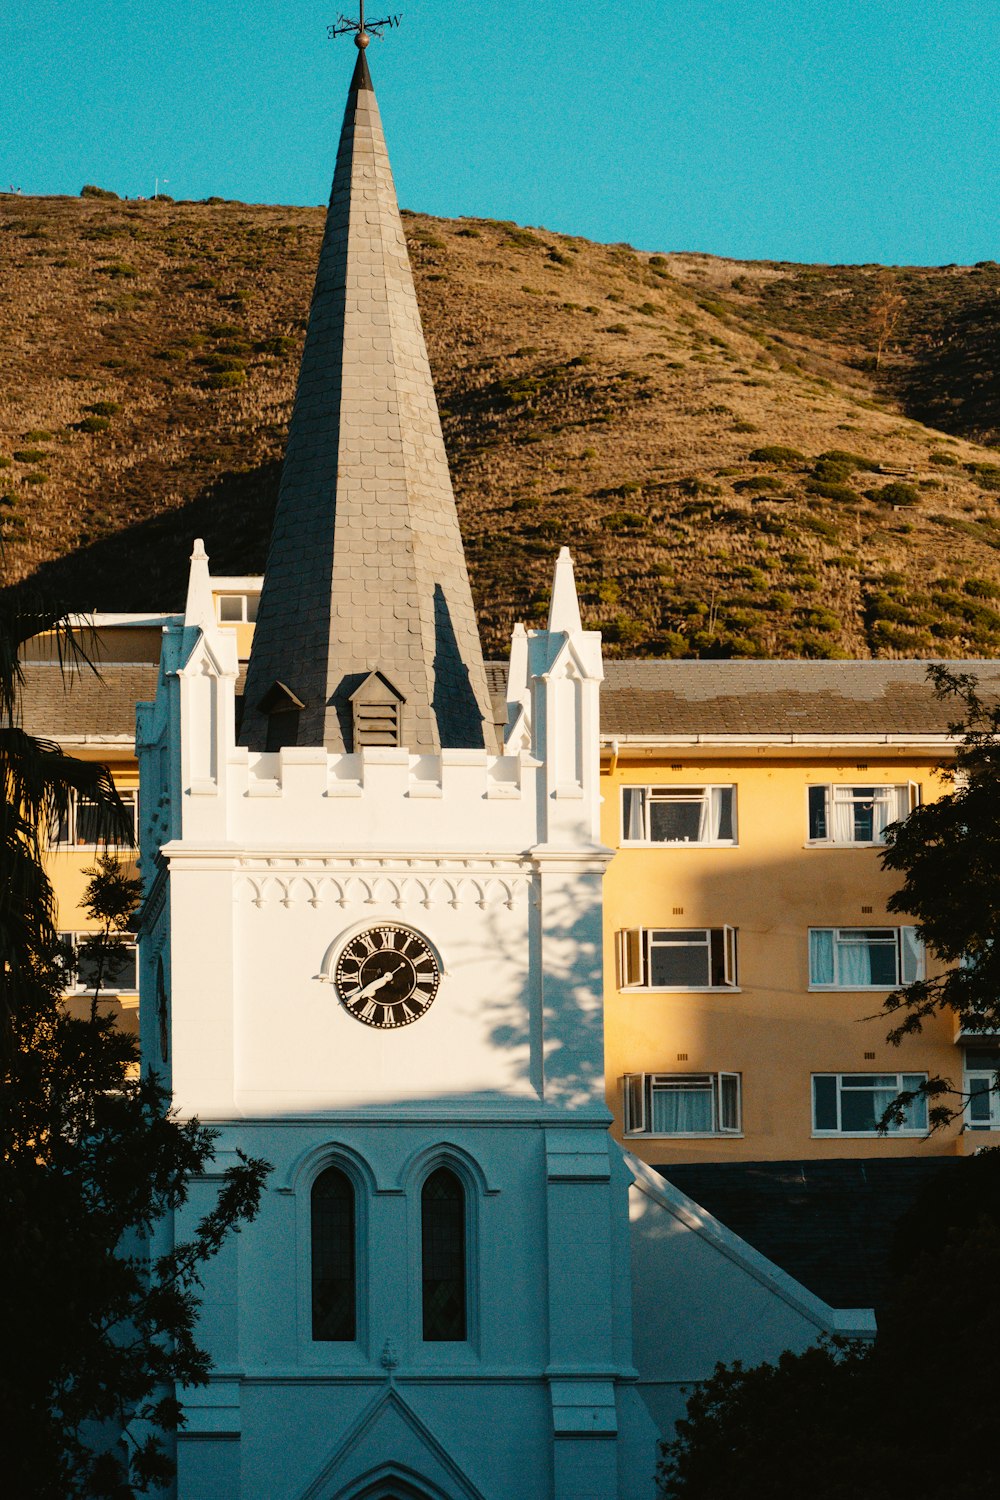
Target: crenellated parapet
202,789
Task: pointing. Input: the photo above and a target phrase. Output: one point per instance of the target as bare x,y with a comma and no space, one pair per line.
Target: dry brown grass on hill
709,436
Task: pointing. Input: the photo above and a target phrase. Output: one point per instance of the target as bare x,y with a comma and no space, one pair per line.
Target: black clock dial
387,976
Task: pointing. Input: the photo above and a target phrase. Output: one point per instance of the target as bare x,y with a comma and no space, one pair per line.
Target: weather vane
363,32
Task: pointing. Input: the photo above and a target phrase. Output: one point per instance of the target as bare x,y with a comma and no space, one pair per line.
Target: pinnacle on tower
366,572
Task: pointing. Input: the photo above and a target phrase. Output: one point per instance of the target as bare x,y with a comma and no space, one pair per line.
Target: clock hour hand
376,984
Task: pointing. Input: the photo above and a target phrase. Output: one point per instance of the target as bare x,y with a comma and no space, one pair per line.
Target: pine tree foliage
98,1317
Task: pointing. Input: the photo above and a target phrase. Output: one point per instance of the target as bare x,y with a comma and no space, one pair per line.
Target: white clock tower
372,954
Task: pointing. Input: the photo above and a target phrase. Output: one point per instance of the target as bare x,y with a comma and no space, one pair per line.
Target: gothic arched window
334,1291
442,1216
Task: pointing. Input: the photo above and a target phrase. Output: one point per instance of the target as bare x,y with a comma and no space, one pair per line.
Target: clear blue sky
813,130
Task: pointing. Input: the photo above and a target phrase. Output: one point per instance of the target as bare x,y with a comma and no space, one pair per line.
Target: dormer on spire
366,562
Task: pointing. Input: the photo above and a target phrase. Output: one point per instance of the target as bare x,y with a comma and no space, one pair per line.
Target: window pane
118,971
722,807
916,1113
729,1102
821,955
682,1107
911,953
817,812
632,956
675,821
824,1102
635,1114
860,1109
680,964
334,1315
88,821
882,963
633,822
723,962
864,814
982,1060
61,832
231,607
979,1099
253,600
443,1248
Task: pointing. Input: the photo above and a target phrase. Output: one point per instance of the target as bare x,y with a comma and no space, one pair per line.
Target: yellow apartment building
748,949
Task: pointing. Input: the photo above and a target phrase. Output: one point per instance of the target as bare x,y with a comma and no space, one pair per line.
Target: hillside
711,438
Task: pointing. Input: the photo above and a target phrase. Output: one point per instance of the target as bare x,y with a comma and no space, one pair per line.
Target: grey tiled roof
366,568
637,697
686,698
830,1224
67,706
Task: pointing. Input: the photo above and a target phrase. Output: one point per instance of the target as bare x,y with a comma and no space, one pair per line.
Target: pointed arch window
443,1241
334,1270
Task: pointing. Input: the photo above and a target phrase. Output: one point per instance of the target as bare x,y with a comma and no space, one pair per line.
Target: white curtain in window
912,954
854,964
820,956
891,804
842,831
680,1110
635,821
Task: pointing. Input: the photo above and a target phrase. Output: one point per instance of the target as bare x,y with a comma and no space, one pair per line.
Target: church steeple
366,572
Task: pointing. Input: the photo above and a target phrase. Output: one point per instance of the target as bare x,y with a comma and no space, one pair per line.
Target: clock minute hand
376,984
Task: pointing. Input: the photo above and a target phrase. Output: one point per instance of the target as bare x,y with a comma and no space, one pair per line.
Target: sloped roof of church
830,1224
366,569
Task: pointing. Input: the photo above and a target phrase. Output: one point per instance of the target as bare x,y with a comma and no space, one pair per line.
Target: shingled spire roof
366,572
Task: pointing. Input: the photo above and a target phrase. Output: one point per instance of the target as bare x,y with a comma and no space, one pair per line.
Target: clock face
387,976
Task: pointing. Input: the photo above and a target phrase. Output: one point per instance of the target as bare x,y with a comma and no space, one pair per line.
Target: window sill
857,989
846,844
867,1135
681,989
680,844
684,1135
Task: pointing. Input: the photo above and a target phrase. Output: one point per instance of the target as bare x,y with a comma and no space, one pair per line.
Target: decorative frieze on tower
375,946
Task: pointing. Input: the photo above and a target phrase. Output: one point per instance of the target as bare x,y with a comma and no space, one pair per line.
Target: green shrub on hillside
92,424
30,455
897,493
764,484
981,588
832,490
104,408
90,190
775,453
946,460
225,380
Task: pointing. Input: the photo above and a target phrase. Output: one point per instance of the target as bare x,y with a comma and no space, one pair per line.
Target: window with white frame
982,1066
854,1103
679,815
80,826
858,814
120,970
682,1103
864,958
677,958
237,609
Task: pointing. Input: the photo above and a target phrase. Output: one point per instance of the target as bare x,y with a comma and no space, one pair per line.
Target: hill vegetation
745,458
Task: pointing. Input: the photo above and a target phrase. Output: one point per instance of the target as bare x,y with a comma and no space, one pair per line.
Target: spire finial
363,31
